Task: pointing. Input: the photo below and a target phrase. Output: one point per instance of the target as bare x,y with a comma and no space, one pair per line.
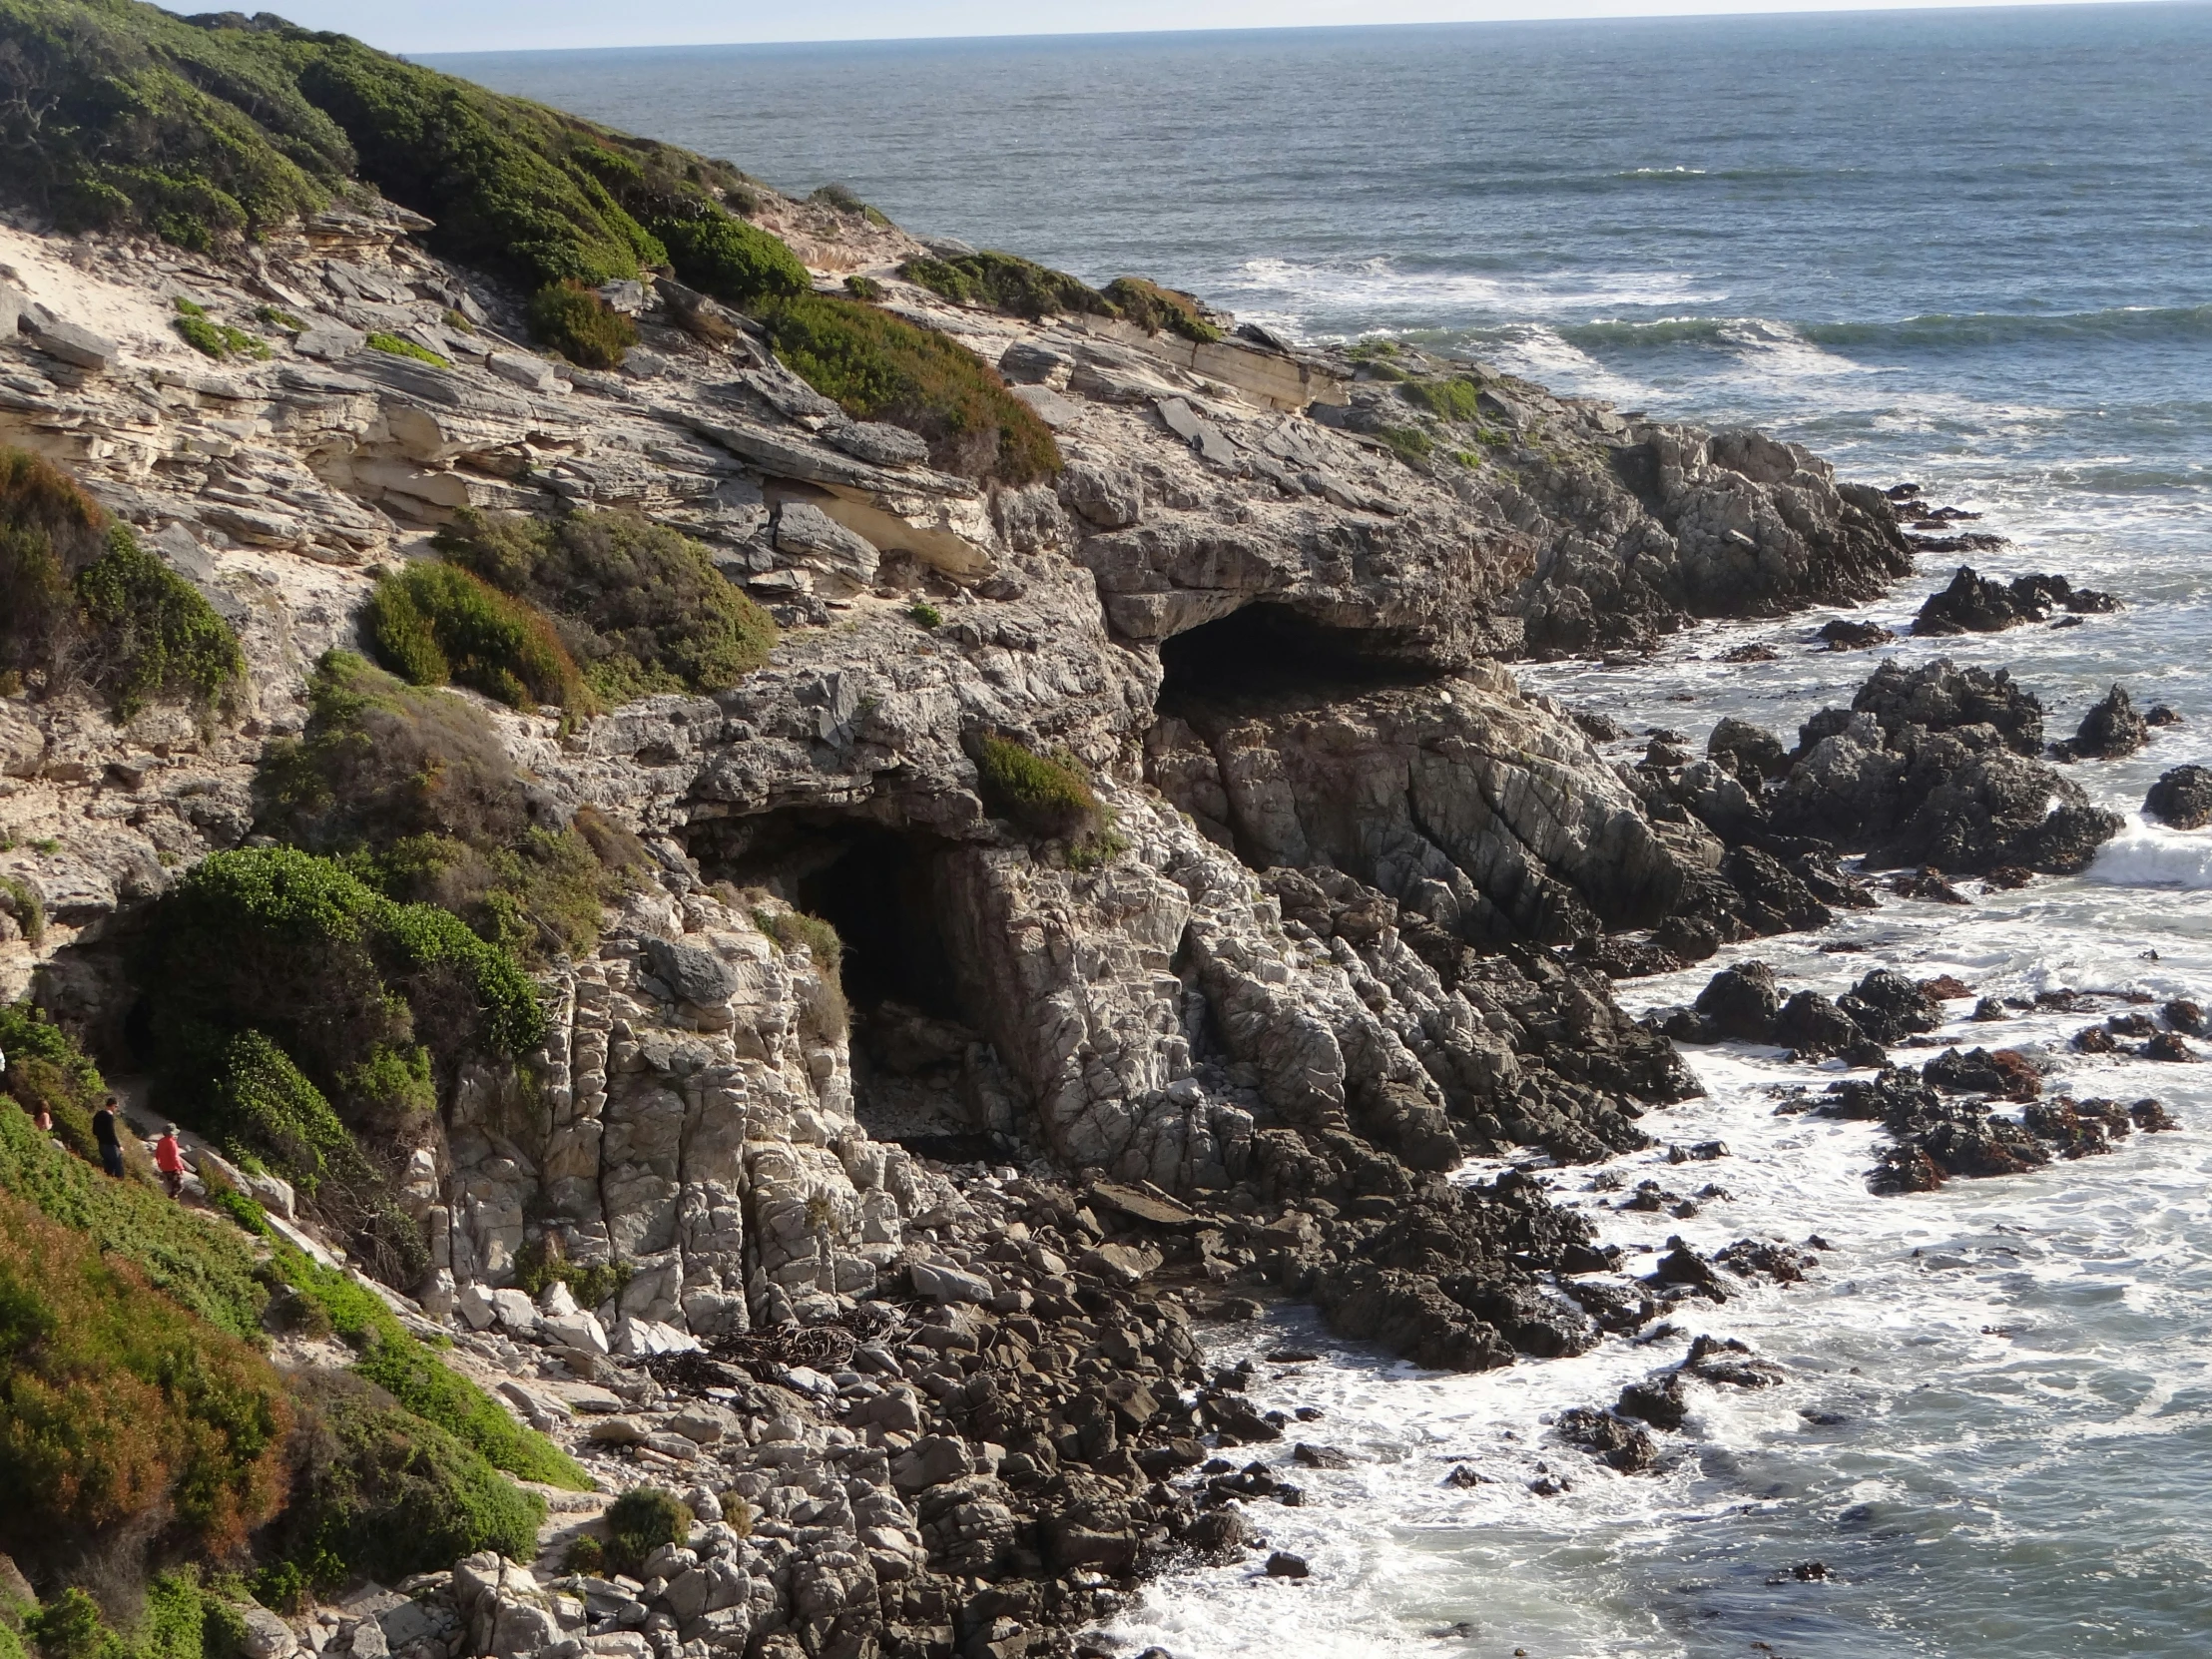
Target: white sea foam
1380,290
2152,856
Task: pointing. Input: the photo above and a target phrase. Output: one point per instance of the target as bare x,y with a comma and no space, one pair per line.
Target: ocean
1970,250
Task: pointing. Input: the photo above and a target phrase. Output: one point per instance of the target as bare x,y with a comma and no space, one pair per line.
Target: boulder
1740,1002
79,347
814,538
945,1283
2108,730
264,1635
2181,798
695,974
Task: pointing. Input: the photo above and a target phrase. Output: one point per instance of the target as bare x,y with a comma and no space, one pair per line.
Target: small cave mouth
881,889
1268,652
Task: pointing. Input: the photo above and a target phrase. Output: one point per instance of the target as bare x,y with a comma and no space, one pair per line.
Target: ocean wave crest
2145,855
2136,324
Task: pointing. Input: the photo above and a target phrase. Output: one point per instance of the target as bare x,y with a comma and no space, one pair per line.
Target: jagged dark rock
1980,605
2182,798
2111,730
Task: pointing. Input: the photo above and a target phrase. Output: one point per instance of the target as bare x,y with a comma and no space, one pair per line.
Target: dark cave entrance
1270,653
879,888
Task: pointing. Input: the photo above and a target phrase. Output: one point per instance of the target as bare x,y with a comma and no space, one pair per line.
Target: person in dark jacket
104,1131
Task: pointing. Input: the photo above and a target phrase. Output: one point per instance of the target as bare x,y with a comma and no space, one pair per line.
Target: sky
428,26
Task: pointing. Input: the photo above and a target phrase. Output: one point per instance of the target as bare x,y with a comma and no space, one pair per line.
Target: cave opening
879,888
1272,654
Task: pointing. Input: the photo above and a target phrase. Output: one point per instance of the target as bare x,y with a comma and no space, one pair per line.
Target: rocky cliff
1230,1023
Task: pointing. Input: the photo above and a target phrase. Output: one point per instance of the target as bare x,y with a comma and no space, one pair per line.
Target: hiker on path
102,1131
168,1158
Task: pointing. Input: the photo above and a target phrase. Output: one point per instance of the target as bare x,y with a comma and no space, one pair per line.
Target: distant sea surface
1968,249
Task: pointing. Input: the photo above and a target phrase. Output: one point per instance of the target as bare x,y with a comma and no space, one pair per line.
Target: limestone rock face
1334,839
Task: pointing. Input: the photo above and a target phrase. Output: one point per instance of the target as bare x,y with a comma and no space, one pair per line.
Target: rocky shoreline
912,1306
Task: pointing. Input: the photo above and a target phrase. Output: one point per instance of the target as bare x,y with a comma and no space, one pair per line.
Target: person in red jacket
168,1158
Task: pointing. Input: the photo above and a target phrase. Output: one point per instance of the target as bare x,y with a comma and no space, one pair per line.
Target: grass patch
641,607
275,316
81,602
1155,309
216,340
1007,282
1452,399
393,346
1409,443
435,624
581,327
199,1263
881,368
117,1407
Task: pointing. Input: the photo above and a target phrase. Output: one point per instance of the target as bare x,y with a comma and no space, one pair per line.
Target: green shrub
279,980
379,1491
580,326
1153,309
1046,795
640,1522
393,346
416,790
275,316
1007,282
179,1619
1454,399
29,909
881,368
863,287
117,1407
738,264
586,1556
641,607
927,614
541,1262
71,1627
81,600
435,624
841,198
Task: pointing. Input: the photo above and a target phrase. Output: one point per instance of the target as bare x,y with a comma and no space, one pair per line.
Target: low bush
1007,282
881,368
1153,309
1046,795
541,1262
81,602
581,327
117,1409
435,624
863,287
640,1522
197,1262
1452,399
395,347
416,789
378,1491
738,264
638,606
927,614
179,1619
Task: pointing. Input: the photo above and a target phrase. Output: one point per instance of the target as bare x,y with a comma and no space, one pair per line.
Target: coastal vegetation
573,321
881,368
83,603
